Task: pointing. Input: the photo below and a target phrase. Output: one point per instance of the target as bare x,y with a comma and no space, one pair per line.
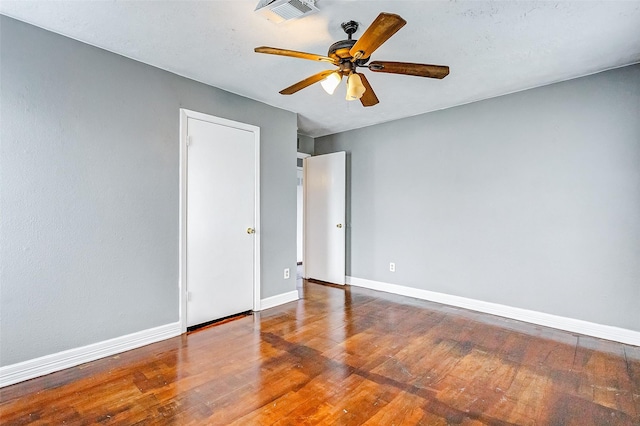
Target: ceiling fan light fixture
330,83
355,88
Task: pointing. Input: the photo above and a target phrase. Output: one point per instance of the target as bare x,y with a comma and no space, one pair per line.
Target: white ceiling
493,48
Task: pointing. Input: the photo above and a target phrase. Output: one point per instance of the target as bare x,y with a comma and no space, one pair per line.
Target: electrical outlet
286,273
392,267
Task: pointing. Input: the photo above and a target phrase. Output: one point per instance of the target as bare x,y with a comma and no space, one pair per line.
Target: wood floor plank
348,356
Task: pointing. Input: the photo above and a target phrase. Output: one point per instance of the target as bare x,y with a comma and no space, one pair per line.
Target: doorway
300,218
219,218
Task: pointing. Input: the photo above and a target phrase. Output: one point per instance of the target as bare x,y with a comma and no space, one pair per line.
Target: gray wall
305,144
89,191
529,200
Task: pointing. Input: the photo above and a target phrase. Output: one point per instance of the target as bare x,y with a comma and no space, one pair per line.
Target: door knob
339,225
251,231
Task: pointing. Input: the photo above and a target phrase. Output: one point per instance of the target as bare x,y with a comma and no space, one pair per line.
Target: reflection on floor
348,356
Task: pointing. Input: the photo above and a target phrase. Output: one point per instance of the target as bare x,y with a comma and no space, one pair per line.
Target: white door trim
185,114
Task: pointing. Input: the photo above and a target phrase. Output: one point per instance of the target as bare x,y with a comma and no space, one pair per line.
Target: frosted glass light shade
330,83
355,88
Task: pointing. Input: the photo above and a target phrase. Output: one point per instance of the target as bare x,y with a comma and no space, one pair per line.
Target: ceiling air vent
284,10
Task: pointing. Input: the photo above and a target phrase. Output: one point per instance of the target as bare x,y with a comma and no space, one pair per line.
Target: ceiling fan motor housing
340,50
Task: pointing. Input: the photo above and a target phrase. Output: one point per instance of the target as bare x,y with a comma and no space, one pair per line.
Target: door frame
185,115
301,156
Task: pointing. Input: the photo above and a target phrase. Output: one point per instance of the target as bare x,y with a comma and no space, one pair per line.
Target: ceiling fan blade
369,97
293,54
420,70
385,25
306,82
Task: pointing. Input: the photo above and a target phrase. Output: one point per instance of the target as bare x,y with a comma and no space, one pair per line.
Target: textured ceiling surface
493,48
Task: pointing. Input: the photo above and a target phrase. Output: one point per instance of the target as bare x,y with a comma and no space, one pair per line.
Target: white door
324,217
220,219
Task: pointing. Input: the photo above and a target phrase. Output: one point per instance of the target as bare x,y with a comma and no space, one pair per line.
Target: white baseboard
601,331
279,299
36,367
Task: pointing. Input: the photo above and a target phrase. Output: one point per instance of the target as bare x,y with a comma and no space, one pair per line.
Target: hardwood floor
347,356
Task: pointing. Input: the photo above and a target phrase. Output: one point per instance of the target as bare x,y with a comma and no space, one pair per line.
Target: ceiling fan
348,55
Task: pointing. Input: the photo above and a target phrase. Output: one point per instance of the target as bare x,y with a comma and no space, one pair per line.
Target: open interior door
324,217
